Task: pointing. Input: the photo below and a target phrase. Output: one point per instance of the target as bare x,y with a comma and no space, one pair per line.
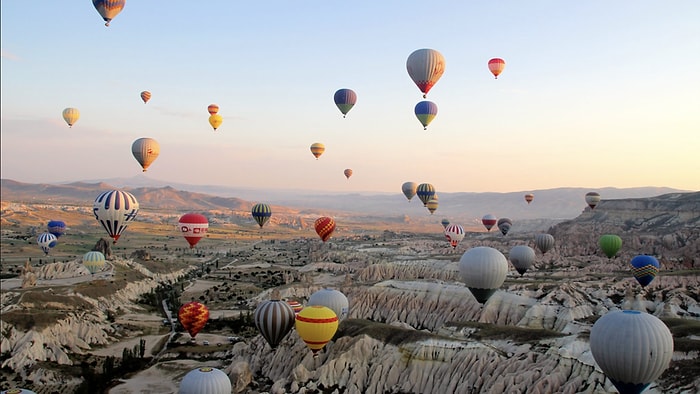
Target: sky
594,94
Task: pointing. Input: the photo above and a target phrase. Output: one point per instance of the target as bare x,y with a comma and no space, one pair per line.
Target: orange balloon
193,317
213,109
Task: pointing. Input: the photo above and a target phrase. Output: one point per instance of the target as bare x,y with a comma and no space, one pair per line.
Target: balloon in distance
425,67
194,227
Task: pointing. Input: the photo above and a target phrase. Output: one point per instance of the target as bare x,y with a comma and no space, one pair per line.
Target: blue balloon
345,99
57,227
426,112
644,269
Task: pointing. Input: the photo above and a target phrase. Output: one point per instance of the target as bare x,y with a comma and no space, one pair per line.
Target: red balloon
324,227
193,227
496,66
193,316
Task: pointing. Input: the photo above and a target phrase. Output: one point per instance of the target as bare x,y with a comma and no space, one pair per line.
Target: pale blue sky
594,93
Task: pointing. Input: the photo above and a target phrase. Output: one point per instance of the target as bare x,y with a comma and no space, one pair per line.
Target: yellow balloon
317,149
215,121
71,115
316,325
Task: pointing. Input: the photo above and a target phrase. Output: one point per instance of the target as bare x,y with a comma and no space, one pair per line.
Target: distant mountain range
559,203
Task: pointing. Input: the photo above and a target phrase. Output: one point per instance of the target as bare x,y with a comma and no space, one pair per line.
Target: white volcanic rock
65,270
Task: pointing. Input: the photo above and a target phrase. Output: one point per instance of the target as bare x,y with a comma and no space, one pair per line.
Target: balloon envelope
632,348
529,197
317,149
489,220
496,66
145,151
483,270
193,316
56,227
592,199
544,242
444,222
94,261
145,96
409,189
46,241
522,257
215,121
425,67
347,173
333,299
645,268
345,99
504,224
274,319
610,244
115,209
71,115
454,234
193,227
17,391
213,109
426,111
432,205
261,213
425,192
324,226
316,325
205,380
108,9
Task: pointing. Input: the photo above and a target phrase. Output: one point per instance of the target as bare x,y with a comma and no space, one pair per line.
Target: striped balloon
114,210
425,112
496,66
108,9
445,222
592,199
193,316
644,268
261,213
544,242
425,192
454,234
348,173
489,220
324,226
610,244
296,306
145,96
46,241
17,391
432,205
71,115
317,149
425,67
213,109
94,261
316,325
504,224
345,99
274,319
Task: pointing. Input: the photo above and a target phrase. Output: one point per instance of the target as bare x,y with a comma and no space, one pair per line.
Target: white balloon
205,380
333,299
483,270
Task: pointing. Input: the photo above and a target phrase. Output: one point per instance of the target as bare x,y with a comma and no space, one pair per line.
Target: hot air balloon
145,96
496,66
17,391
108,9
145,151
592,199
522,257
432,205
632,348
425,112
333,299
296,306
316,325
345,99
261,213
644,268
317,149
529,197
56,227
409,189
425,67
193,227
193,316
324,227
205,380
425,192
347,173
274,319
610,244
213,109
444,222
94,261
483,270
46,241
544,242
504,224
454,234
114,210
489,220
71,115
215,121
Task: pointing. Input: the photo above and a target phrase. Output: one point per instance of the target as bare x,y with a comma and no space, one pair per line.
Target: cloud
9,56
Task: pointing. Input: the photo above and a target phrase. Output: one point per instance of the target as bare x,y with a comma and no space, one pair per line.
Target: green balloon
610,244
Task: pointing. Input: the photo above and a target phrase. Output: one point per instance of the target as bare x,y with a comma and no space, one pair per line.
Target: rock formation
28,276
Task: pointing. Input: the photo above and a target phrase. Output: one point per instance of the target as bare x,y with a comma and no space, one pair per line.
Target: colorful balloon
409,189
445,222
17,391
645,268
325,226
56,227
261,213
108,9
333,299
205,380
610,244
316,325
94,261
345,99
425,112
317,149
496,66
483,270
592,199
347,173
274,319
425,67
529,197
522,257
193,227
213,109
454,234
193,316
632,348
504,224
145,96
46,241
115,209
215,121
425,192
145,151
296,306
544,242
432,205
489,220
71,115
